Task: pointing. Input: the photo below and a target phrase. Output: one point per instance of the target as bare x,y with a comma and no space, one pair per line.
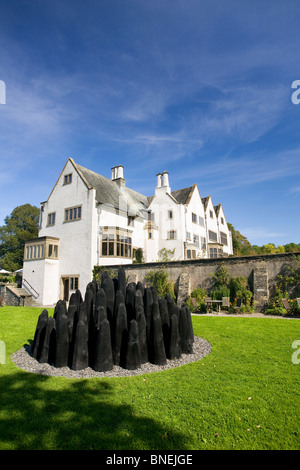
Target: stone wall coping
207,261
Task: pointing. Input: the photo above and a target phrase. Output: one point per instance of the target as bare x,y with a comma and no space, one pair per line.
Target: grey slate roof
181,195
108,192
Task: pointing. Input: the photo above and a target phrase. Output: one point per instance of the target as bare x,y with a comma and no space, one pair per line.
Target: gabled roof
109,193
217,209
205,201
180,196
183,196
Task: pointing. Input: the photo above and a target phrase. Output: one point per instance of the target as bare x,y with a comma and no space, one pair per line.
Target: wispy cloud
294,190
233,172
261,233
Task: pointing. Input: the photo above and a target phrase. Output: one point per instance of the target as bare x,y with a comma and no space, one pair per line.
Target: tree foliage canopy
242,246
21,225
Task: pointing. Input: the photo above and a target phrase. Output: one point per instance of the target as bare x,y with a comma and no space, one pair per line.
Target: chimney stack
117,175
165,179
162,183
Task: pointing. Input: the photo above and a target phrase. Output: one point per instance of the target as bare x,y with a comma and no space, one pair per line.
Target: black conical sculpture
114,324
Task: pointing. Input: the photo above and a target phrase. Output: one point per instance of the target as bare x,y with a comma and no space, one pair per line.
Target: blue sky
200,88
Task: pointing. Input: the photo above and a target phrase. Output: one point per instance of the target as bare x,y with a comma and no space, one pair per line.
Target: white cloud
233,172
260,233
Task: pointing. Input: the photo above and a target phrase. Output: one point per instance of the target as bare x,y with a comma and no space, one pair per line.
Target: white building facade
90,220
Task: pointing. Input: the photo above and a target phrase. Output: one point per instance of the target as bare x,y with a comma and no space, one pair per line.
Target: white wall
212,222
224,228
195,206
160,206
78,238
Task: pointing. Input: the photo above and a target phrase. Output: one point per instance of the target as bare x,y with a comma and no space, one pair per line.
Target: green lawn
244,395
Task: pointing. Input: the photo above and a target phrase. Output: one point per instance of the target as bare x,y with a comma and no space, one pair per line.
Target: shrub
99,270
277,310
199,295
138,256
221,277
160,280
218,294
275,306
239,288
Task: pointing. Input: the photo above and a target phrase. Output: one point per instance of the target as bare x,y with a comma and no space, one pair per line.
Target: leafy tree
258,249
241,246
21,225
291,247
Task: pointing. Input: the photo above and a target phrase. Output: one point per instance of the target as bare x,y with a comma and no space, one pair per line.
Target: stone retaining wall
261,272
12,298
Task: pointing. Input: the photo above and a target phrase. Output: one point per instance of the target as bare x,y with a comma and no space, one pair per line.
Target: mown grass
244,395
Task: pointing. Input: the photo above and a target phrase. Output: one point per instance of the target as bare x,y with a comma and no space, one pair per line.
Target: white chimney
120,172
117,175
165,178
113,173
162,183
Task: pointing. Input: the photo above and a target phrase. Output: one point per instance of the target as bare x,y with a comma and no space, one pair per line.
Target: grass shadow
40,412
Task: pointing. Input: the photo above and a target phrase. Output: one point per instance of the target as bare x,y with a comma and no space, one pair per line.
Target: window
74,283
117,243
212,236
172,235
72,213
215,253
170,214
196,240
123,246
211,215
188,235
51,218
52,251
149,235
201,221
194,218
203,243
36,251
222,221
223,238
68,179
190,254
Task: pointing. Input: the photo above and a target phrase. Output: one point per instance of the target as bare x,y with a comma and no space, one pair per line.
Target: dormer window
68,179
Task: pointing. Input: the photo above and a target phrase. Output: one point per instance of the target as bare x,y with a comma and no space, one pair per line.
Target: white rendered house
90,220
